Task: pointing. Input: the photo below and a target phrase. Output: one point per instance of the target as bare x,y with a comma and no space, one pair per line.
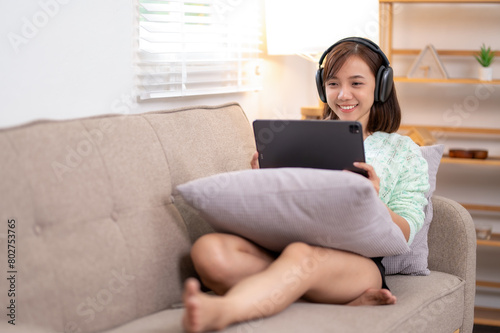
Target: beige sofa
102,237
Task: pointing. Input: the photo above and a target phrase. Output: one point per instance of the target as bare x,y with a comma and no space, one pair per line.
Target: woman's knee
208,250
214,257
299,251
307,256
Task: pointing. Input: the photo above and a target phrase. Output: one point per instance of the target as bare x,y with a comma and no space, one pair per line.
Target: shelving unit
494,241
486,316
491,160
386,28
457,81
482,207
482,315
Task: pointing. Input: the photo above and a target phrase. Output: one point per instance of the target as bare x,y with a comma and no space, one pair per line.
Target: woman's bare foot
375,297
201,311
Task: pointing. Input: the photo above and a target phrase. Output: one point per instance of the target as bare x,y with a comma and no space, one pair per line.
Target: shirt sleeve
408,198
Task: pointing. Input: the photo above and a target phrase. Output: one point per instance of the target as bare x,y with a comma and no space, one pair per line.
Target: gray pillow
275,207
415,261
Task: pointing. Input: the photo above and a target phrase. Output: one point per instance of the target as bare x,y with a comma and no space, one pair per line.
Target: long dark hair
385,117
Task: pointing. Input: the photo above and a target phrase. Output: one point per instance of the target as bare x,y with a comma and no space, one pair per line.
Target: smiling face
350,92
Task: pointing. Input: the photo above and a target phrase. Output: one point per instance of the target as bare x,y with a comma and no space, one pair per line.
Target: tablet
321,144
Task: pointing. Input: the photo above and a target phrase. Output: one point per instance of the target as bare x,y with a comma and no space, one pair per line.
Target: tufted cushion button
114,216
37,229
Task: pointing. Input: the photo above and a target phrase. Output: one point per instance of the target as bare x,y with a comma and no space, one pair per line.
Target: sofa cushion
275,207
414,262
420,300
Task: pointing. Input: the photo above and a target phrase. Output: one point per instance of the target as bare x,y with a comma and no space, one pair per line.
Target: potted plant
485,58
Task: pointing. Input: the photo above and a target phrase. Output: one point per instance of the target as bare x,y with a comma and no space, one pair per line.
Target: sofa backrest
102,236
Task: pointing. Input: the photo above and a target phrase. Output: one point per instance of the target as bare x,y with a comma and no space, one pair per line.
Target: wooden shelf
486,316
453,81
494,241
494,161
462,53
481,207
488,284
468,130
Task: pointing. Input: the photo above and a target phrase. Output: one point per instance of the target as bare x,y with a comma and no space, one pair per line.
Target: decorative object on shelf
421,136
461,153
428,65
483,230
485,58
479,153
471,153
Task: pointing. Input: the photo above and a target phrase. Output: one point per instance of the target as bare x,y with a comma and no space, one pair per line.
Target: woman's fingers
372,175
254,163
367,167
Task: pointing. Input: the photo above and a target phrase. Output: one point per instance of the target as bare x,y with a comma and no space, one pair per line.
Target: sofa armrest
452,249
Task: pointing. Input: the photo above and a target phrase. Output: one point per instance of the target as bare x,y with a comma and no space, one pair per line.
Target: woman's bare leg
222,260
318,274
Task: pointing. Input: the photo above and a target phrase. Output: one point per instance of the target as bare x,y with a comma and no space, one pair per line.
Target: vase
485,73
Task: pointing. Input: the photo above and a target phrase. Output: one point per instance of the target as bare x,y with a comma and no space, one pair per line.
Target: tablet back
322,144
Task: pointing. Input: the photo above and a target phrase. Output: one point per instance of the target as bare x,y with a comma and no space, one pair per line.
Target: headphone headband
363,41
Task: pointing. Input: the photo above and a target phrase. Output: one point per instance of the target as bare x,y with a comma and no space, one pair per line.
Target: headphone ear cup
383,84
319,85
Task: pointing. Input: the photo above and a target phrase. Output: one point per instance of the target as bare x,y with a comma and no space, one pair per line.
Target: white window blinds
198,47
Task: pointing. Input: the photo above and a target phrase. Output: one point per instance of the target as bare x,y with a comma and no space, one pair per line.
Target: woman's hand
372,175
398,220
254,163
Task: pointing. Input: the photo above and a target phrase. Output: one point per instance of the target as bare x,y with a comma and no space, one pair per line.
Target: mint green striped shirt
403,174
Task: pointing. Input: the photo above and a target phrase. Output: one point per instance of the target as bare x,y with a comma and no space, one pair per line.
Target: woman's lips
347,108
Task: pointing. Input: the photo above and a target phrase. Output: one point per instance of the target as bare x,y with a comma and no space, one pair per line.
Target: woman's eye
357,83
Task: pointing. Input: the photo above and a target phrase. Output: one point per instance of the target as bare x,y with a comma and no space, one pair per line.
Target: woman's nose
345,93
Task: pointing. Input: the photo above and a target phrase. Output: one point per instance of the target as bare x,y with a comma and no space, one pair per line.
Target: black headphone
383,80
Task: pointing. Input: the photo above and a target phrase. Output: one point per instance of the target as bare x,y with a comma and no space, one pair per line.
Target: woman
249,281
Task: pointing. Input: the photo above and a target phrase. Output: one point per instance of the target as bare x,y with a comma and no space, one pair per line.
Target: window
198,47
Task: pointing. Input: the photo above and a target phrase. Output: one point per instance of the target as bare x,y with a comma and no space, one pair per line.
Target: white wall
75,63
73,58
